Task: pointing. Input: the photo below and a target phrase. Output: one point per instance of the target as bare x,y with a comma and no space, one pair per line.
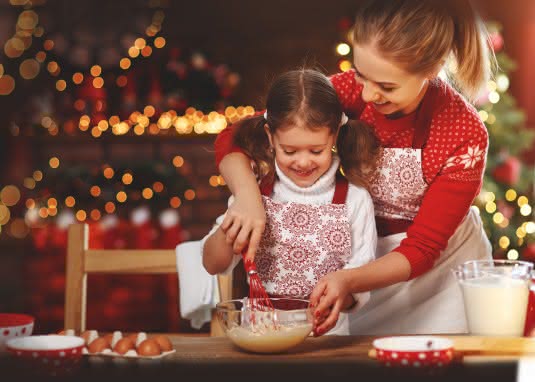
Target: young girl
434,148
316,222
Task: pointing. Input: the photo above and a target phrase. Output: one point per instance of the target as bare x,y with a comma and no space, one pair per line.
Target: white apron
432,302
302,243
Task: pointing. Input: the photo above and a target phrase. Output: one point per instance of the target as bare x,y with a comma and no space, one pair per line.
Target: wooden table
328,358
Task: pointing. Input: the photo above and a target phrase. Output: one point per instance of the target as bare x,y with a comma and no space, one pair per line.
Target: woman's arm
331,292
246,218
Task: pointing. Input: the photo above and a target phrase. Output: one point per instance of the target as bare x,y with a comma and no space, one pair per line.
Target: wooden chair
81,260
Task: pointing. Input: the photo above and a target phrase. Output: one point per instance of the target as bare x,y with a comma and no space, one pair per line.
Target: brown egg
149,347
164,342
98,345
86,335
109,337
123,345
133,337
61,332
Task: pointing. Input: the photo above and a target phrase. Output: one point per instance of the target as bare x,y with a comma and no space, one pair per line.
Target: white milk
495,305
269,340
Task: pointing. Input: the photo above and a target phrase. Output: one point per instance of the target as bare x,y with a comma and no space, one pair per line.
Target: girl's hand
244,225
330,296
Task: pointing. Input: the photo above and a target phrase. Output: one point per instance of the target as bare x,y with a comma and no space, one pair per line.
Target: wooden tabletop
221,350
325,358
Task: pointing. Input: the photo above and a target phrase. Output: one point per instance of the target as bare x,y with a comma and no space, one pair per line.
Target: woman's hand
330,296
244,224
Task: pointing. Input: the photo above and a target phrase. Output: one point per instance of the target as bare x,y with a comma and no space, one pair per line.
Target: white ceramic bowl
14,325
414,351
53,354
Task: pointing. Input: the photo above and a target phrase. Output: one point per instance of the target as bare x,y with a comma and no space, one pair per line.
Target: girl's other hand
244,225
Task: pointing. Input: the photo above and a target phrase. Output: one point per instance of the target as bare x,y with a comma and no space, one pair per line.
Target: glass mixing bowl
266,331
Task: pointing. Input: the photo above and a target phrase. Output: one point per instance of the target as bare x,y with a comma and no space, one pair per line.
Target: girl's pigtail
251,137
358,149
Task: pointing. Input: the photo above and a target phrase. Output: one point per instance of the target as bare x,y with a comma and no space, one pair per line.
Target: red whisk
258,297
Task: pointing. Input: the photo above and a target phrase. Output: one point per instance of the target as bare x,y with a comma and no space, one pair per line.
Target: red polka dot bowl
52,355
14,325
414,351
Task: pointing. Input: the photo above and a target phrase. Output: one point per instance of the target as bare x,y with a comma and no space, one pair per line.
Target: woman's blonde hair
422,35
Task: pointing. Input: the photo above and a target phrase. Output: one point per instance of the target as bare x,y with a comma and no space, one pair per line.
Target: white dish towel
198,290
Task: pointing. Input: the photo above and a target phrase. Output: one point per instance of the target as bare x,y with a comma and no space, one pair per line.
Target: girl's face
389,88
303,154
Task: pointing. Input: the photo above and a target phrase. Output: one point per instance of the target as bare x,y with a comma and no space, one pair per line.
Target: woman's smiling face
388,87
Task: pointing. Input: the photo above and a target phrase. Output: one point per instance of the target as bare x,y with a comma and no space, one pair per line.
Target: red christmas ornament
529,252
496,41
505,208
344,24
508,171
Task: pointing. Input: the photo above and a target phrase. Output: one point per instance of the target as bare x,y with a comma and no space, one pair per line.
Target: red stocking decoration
508,171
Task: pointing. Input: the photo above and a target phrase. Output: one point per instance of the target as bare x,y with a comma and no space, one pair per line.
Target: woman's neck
413,106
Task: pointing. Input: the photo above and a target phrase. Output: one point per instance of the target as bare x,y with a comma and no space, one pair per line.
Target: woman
430,171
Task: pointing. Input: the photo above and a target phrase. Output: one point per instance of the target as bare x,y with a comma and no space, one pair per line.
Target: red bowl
48,354
14,325
414,351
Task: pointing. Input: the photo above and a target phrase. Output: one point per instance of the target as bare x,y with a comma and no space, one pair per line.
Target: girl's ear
268,133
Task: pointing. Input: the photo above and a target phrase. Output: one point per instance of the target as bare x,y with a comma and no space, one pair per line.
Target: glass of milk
495,294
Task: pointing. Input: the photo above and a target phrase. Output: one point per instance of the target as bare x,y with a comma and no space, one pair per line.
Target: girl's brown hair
307,98
420,34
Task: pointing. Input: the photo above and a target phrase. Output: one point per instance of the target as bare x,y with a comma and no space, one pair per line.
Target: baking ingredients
99,345
495,305
123,345
149,347
271,339
164,342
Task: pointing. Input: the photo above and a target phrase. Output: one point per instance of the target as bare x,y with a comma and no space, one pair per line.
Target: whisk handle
250,267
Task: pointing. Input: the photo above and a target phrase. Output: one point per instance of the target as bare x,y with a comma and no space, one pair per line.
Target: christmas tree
504,201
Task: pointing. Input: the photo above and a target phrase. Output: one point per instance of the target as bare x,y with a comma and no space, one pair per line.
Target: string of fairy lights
193,122
139,123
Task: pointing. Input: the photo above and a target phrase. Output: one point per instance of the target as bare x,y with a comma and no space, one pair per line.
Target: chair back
81,261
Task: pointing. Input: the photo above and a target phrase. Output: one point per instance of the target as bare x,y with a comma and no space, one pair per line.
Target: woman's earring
333,149
271,150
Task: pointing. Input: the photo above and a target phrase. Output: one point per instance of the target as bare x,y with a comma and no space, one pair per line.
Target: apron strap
340,190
